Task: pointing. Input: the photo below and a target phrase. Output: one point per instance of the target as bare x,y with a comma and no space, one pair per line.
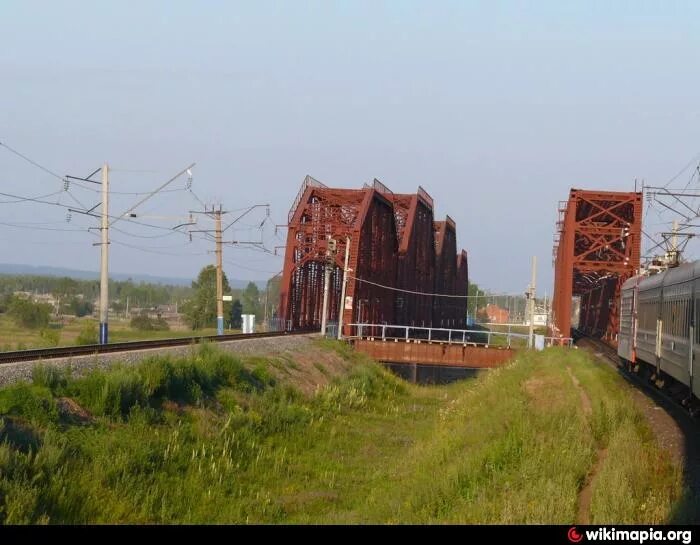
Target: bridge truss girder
394,242
596,248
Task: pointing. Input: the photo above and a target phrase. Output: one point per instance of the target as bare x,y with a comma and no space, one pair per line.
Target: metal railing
558,341
448,335
332,330
434,334
308,181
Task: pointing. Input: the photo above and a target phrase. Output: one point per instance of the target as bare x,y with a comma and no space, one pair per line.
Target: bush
50,337
80,307
28,314
32,402
88,334
49,376
113,393
143,322
160,324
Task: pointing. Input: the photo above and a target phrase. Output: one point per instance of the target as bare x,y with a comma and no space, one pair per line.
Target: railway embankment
13,372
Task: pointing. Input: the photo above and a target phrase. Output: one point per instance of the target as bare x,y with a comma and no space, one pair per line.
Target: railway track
91,349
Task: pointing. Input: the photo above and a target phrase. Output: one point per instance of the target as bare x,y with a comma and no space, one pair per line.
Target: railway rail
91,349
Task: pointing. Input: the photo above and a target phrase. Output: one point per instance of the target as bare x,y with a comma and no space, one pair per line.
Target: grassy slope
215,439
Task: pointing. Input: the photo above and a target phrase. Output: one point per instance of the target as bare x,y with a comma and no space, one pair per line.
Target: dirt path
665,427
677,434
583,516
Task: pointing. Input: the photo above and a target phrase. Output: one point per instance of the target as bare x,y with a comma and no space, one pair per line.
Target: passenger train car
659,334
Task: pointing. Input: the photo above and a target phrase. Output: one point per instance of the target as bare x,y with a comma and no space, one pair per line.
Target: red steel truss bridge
596,248
399,256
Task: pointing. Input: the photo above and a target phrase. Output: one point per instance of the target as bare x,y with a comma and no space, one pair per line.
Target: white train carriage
676,302
648,310
628,322
658,317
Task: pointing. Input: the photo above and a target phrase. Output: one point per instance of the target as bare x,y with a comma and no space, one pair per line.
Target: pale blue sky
496,108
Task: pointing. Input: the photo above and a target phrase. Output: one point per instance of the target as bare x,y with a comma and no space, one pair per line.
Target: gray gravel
78,365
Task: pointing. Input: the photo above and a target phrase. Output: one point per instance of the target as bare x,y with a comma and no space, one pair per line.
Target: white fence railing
448,335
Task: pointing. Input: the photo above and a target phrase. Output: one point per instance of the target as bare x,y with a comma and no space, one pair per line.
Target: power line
19,199
127,233
35,228
31,161
432,294
200,201
76,200
237,265
154,192
154,250
130,193
38,199
695,158
41,199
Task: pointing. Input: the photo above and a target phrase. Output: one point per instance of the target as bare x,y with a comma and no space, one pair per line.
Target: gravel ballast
78,365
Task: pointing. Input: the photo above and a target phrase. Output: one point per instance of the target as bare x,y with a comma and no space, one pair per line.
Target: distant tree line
139,294
76,297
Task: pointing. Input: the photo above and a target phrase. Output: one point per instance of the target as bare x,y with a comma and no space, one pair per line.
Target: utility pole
104,258
218,250
105,224
219,273
546,312
344,288
218,240
326,282
531,297
330,258
267,289
674,244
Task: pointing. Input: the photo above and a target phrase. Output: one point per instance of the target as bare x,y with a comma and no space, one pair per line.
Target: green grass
14,337
213,438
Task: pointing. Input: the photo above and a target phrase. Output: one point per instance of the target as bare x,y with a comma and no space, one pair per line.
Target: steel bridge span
596,248
398,257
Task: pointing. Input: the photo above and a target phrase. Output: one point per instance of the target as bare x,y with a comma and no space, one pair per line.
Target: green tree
473,302
64,286
88,333
251,300
80,307
236,311
273,295
200,311
28,314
